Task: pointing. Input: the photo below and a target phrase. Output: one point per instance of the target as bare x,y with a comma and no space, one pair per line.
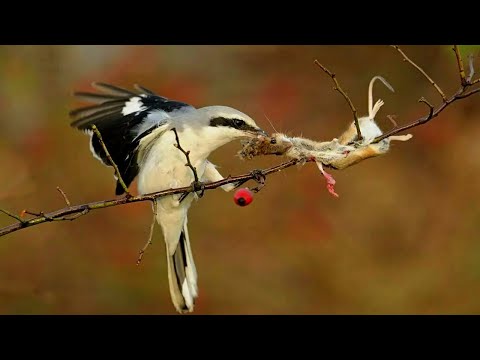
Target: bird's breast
164,165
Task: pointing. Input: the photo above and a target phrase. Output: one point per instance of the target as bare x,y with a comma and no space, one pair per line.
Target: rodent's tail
372,110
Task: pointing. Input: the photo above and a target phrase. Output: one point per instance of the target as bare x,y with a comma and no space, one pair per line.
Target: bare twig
83,209
18,218
406,58
64,196
187,155
339,89
198,186
434,112
461,69
109,157
150,236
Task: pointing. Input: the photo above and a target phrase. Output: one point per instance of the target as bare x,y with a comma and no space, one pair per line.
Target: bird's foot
259,177
198,188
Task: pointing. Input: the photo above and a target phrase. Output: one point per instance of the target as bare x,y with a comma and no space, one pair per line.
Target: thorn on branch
110,160
64,196
423,100
18,218
25,211
339,89
406,58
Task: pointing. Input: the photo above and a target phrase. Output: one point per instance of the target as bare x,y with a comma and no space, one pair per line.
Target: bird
136,127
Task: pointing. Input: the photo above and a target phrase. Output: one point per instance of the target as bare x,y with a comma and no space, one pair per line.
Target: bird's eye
238,123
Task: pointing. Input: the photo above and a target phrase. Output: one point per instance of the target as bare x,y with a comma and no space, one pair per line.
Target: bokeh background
404,236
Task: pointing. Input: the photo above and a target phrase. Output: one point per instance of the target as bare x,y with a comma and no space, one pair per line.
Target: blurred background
404,236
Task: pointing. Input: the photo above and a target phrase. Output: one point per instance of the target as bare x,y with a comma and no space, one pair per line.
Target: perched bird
136,129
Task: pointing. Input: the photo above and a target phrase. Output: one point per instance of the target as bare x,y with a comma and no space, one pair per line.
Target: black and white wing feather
123,117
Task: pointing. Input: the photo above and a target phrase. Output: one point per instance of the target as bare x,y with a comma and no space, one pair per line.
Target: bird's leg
232,186
211,174
184,195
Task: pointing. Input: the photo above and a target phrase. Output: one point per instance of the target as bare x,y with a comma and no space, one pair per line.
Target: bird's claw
259,177
198,188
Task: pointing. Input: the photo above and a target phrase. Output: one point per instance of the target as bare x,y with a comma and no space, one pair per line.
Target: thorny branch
72,212
344,94
78,210
461,93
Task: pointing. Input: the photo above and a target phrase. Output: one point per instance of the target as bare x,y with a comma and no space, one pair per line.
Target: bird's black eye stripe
238,123
234,123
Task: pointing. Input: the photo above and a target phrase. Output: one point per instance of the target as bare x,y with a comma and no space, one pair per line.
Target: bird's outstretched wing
123,117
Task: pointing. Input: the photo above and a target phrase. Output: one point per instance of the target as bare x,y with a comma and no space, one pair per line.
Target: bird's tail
182,274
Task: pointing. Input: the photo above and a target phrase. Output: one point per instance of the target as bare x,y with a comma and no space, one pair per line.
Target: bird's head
230,123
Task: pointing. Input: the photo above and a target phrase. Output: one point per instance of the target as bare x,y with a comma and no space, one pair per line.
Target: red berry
243,197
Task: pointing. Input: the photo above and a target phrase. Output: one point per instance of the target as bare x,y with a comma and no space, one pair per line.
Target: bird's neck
202,142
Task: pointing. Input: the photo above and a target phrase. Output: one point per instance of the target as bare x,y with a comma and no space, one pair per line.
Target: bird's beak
260,132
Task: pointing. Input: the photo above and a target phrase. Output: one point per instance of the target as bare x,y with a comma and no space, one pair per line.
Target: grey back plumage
123,117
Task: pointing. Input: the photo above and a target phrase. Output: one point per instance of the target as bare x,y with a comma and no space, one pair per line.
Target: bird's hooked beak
258,132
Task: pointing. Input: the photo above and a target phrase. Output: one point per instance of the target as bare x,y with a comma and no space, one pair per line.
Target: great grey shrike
136,129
